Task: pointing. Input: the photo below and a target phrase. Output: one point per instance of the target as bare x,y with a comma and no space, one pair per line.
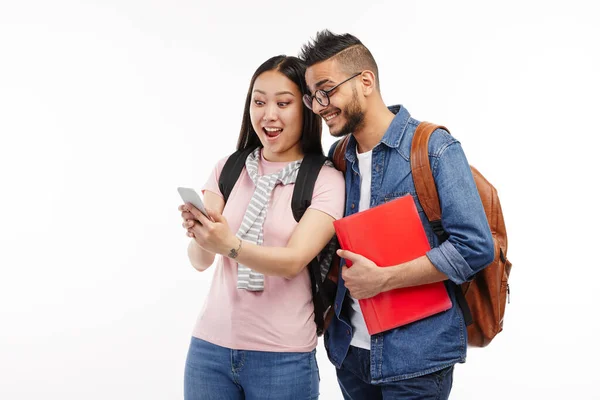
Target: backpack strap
232,170
428,195
305,183
423,177
421,171
339,154
315,287
301,200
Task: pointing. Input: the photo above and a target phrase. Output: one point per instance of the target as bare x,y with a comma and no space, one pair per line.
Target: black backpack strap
315,284
305,183
442,236
323,293
232,170
301,200
464,306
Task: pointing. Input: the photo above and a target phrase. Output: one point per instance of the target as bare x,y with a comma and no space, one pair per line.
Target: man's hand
364,278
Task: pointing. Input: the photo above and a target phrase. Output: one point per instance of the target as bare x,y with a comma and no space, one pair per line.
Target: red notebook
391,234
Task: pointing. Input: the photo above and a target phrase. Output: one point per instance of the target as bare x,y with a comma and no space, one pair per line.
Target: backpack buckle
438,229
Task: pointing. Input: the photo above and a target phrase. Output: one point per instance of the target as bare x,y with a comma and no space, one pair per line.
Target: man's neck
373,128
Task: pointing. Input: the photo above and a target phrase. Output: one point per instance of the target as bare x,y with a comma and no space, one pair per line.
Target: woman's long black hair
293,68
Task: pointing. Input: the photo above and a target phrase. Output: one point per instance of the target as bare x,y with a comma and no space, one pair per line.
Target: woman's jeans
217,373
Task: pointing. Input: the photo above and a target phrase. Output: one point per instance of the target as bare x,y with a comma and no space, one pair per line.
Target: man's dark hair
347,50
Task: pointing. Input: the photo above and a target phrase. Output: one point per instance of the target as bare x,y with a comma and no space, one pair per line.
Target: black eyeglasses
322,96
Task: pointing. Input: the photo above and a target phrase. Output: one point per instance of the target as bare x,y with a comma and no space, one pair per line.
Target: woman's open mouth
272,133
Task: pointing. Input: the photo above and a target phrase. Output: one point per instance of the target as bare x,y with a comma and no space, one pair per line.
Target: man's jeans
354,378
218,373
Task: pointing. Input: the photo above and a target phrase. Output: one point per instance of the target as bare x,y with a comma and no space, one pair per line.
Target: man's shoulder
440,139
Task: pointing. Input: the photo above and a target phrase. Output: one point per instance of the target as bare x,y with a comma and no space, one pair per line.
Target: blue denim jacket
439,341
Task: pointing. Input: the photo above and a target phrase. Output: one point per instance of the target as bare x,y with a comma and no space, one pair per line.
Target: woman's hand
213,234
188,219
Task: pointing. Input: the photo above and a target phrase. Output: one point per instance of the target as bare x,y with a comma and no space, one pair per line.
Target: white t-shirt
361,337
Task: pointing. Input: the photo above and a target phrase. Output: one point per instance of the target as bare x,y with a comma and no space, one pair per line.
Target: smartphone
189,195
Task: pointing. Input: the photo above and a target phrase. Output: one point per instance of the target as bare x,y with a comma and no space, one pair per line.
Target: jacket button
353,206
348,332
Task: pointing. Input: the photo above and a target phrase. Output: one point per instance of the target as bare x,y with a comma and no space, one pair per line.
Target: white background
107,107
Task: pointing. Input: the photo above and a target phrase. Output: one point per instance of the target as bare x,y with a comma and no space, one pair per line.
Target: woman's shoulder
330,175
329,192
330,180
220,164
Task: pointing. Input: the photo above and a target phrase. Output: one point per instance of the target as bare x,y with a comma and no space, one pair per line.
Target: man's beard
354,117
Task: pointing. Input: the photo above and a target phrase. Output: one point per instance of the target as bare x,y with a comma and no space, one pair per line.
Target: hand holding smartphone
189,195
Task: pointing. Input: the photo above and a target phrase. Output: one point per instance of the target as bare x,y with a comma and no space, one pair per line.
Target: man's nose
317,107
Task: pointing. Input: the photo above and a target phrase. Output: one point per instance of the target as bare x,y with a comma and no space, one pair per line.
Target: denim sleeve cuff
449,261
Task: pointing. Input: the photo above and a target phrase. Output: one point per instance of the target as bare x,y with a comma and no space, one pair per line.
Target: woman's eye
283,104
259,103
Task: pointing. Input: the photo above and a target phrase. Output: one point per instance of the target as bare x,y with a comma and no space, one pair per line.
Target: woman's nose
270,113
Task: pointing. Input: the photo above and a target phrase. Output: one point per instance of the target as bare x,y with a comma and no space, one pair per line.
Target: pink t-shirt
280,318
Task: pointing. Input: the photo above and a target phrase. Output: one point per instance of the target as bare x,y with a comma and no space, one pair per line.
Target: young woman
256,335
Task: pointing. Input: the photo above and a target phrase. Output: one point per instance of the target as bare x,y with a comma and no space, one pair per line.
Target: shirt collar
392,135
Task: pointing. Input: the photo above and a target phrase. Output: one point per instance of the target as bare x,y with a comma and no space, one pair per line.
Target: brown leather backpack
483,299
487,293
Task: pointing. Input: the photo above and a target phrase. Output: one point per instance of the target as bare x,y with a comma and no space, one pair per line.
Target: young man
415,361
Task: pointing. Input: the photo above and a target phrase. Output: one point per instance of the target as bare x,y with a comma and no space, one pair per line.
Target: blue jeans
218,373
354,378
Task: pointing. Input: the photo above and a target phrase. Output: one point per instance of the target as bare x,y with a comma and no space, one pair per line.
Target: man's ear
369,82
